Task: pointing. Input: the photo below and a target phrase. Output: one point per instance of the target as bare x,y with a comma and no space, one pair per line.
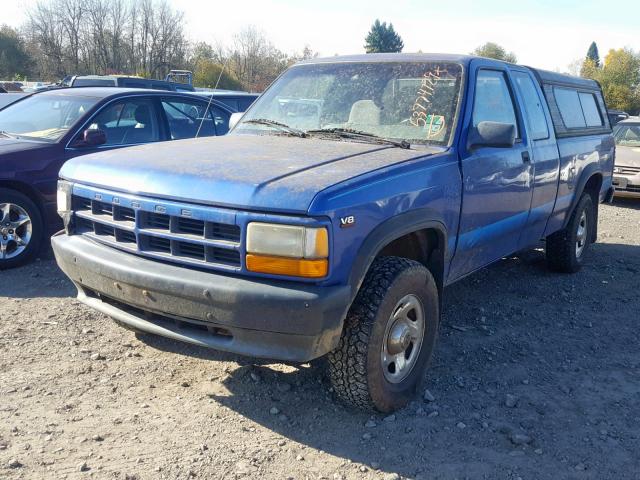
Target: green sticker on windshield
420,115
435,125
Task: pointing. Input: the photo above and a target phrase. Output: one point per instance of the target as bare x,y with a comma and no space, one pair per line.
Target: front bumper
269,319
627,185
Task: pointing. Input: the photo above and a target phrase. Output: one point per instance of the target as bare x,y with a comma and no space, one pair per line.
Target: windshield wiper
280,126
358,135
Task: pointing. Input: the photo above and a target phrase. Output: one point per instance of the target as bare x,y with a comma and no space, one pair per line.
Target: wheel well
24,189
592,187
425,246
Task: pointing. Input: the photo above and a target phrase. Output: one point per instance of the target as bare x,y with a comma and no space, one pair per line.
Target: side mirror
492,134
234,119
93,137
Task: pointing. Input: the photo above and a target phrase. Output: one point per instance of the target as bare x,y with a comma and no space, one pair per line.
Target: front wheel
566,249
388,337
21,229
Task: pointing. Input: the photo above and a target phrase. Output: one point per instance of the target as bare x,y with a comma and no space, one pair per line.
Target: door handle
525,157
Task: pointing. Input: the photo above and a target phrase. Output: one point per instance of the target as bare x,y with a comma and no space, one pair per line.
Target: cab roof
543,76
393,57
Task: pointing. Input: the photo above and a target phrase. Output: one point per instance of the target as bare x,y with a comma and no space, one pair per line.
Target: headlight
64,200
287,250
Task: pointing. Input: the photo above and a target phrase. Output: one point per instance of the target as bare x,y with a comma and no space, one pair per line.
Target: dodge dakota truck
332,217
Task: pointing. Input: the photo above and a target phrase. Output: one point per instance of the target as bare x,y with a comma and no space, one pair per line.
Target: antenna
211,98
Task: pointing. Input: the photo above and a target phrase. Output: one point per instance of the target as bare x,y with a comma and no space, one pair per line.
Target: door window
532,106
128,122
220,120
493,102
190,118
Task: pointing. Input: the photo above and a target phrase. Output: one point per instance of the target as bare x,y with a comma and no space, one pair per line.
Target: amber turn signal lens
287,266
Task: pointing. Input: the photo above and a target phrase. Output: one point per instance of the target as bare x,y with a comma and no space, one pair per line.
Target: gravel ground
536,376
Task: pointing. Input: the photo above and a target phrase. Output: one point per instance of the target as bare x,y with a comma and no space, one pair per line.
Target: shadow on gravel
170,346
630,203
494,341
39,279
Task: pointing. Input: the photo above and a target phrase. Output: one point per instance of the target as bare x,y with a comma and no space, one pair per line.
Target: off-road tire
37,226
561,246
355,367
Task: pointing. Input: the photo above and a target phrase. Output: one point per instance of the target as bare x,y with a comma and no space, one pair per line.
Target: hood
14,145
25,156
627,156
248,171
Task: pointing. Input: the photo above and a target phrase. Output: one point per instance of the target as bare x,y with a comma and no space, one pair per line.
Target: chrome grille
148,228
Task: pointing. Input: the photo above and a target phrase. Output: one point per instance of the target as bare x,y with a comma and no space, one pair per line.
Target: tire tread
560,246
347,364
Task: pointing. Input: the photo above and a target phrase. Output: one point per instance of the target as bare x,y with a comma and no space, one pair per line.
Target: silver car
626,172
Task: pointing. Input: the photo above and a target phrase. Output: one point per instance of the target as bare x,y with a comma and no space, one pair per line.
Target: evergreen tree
593,55
382,38
14,59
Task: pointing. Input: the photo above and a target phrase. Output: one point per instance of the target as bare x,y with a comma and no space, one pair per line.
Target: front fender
391,230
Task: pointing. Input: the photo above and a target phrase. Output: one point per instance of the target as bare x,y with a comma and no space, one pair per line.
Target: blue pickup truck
330,219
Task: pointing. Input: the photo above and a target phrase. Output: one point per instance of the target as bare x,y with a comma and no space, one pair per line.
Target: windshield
412,101
627,135
44,117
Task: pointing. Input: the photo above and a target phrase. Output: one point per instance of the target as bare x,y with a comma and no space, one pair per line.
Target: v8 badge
349,221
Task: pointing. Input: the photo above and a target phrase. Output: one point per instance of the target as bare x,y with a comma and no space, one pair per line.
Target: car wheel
566,249
21,229
388,338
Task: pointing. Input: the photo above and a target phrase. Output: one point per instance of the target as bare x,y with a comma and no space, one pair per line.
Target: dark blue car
40,132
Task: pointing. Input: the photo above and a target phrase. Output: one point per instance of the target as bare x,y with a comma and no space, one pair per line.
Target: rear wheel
566,249
388,337
21,229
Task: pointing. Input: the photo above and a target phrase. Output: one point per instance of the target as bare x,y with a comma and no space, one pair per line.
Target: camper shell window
576,104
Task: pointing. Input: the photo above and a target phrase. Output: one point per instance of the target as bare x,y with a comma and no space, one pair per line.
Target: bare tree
142,37
71,23
46,37
254,59
106,36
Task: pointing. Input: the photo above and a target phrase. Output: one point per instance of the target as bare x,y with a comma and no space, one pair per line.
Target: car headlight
287,250
64,200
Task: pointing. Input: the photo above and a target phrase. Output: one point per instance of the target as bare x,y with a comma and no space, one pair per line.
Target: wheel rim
15,230
403,339
581,234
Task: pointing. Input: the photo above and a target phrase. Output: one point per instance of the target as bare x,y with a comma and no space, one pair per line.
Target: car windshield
414,102
627,135
44,117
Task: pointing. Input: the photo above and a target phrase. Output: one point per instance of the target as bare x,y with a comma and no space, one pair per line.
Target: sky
546,34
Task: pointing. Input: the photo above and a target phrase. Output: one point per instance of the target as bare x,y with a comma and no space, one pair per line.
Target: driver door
126,122
497,185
